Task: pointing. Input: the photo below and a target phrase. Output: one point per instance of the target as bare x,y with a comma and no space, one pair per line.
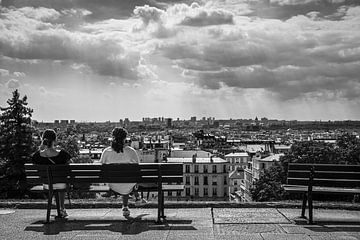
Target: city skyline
108,60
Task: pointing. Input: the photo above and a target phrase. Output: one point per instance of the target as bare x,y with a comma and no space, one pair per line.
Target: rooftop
198,160
238,154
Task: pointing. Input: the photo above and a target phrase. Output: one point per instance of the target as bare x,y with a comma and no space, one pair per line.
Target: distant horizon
197,119
105,60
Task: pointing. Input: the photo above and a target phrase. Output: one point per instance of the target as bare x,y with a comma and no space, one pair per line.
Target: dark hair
119,135
48,137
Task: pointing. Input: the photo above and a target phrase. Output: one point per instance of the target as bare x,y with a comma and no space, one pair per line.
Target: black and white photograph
180,119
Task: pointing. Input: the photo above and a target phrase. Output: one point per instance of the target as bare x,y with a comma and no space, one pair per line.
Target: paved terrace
185,222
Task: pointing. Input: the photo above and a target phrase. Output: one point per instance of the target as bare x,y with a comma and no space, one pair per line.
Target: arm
134,156
103,157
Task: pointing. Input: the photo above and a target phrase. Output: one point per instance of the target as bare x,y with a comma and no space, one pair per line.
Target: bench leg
162,206
310,209
50,195
303,208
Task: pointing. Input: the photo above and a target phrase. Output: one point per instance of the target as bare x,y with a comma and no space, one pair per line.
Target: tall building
204,179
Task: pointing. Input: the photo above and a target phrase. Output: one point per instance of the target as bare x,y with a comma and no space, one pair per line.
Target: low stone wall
116,203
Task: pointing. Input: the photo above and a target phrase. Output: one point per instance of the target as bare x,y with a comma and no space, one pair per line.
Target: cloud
12,83
195,15
4,72
26,35
19,74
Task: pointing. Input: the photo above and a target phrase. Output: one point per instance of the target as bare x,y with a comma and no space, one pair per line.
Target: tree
268,186
70,144
16,144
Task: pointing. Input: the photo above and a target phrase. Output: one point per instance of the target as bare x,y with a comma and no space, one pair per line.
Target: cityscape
221,158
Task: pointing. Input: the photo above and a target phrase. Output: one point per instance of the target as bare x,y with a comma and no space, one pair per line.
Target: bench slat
325,167
324,174
326,182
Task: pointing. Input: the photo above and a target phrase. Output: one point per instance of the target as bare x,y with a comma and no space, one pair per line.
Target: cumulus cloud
12,84
293,59
4,72
19,74
25,35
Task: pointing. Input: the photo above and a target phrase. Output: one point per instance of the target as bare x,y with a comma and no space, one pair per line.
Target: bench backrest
326,175
107,173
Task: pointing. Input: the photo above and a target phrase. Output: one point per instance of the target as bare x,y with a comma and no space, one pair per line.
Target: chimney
194,158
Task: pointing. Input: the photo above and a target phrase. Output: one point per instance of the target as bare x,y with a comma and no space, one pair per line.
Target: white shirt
129,155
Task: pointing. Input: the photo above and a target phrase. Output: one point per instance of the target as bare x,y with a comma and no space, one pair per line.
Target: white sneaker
126,212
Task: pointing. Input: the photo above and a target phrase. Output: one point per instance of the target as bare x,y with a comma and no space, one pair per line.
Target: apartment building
236,160
204,179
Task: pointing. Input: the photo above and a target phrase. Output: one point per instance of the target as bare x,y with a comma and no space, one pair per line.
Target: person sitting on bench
119,153
48,155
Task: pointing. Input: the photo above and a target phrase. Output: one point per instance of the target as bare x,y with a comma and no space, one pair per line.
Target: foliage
268,187
70,144
16,145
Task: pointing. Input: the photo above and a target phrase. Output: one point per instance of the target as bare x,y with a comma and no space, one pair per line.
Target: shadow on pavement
130,226
334,226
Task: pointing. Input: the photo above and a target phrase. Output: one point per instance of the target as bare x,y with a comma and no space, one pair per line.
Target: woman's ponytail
119,136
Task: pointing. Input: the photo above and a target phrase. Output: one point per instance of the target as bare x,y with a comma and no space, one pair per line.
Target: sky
92,60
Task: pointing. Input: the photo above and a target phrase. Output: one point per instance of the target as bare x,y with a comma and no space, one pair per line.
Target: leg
62,200
58,203
50,195
125,200
304,205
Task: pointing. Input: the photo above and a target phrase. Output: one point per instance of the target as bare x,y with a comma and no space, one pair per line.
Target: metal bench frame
309,179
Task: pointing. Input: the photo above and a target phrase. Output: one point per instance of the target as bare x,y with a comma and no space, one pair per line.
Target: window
225,180
214,168
187,168
205,180
206,193
170,193
187,182
196,170
235,182
196,180
235,189
225,192
187,191
178,193
214,180
196,192
205,168
262,166
214,192
224,168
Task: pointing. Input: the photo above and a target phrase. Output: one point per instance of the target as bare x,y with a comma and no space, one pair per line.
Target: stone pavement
182,223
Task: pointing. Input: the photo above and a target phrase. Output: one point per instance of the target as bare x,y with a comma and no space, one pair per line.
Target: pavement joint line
284,215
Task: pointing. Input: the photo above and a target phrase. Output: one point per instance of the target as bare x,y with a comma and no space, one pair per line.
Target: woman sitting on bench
48,155
119,153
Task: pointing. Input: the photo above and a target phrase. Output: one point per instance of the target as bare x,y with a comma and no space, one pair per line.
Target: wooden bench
162,177
309,179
